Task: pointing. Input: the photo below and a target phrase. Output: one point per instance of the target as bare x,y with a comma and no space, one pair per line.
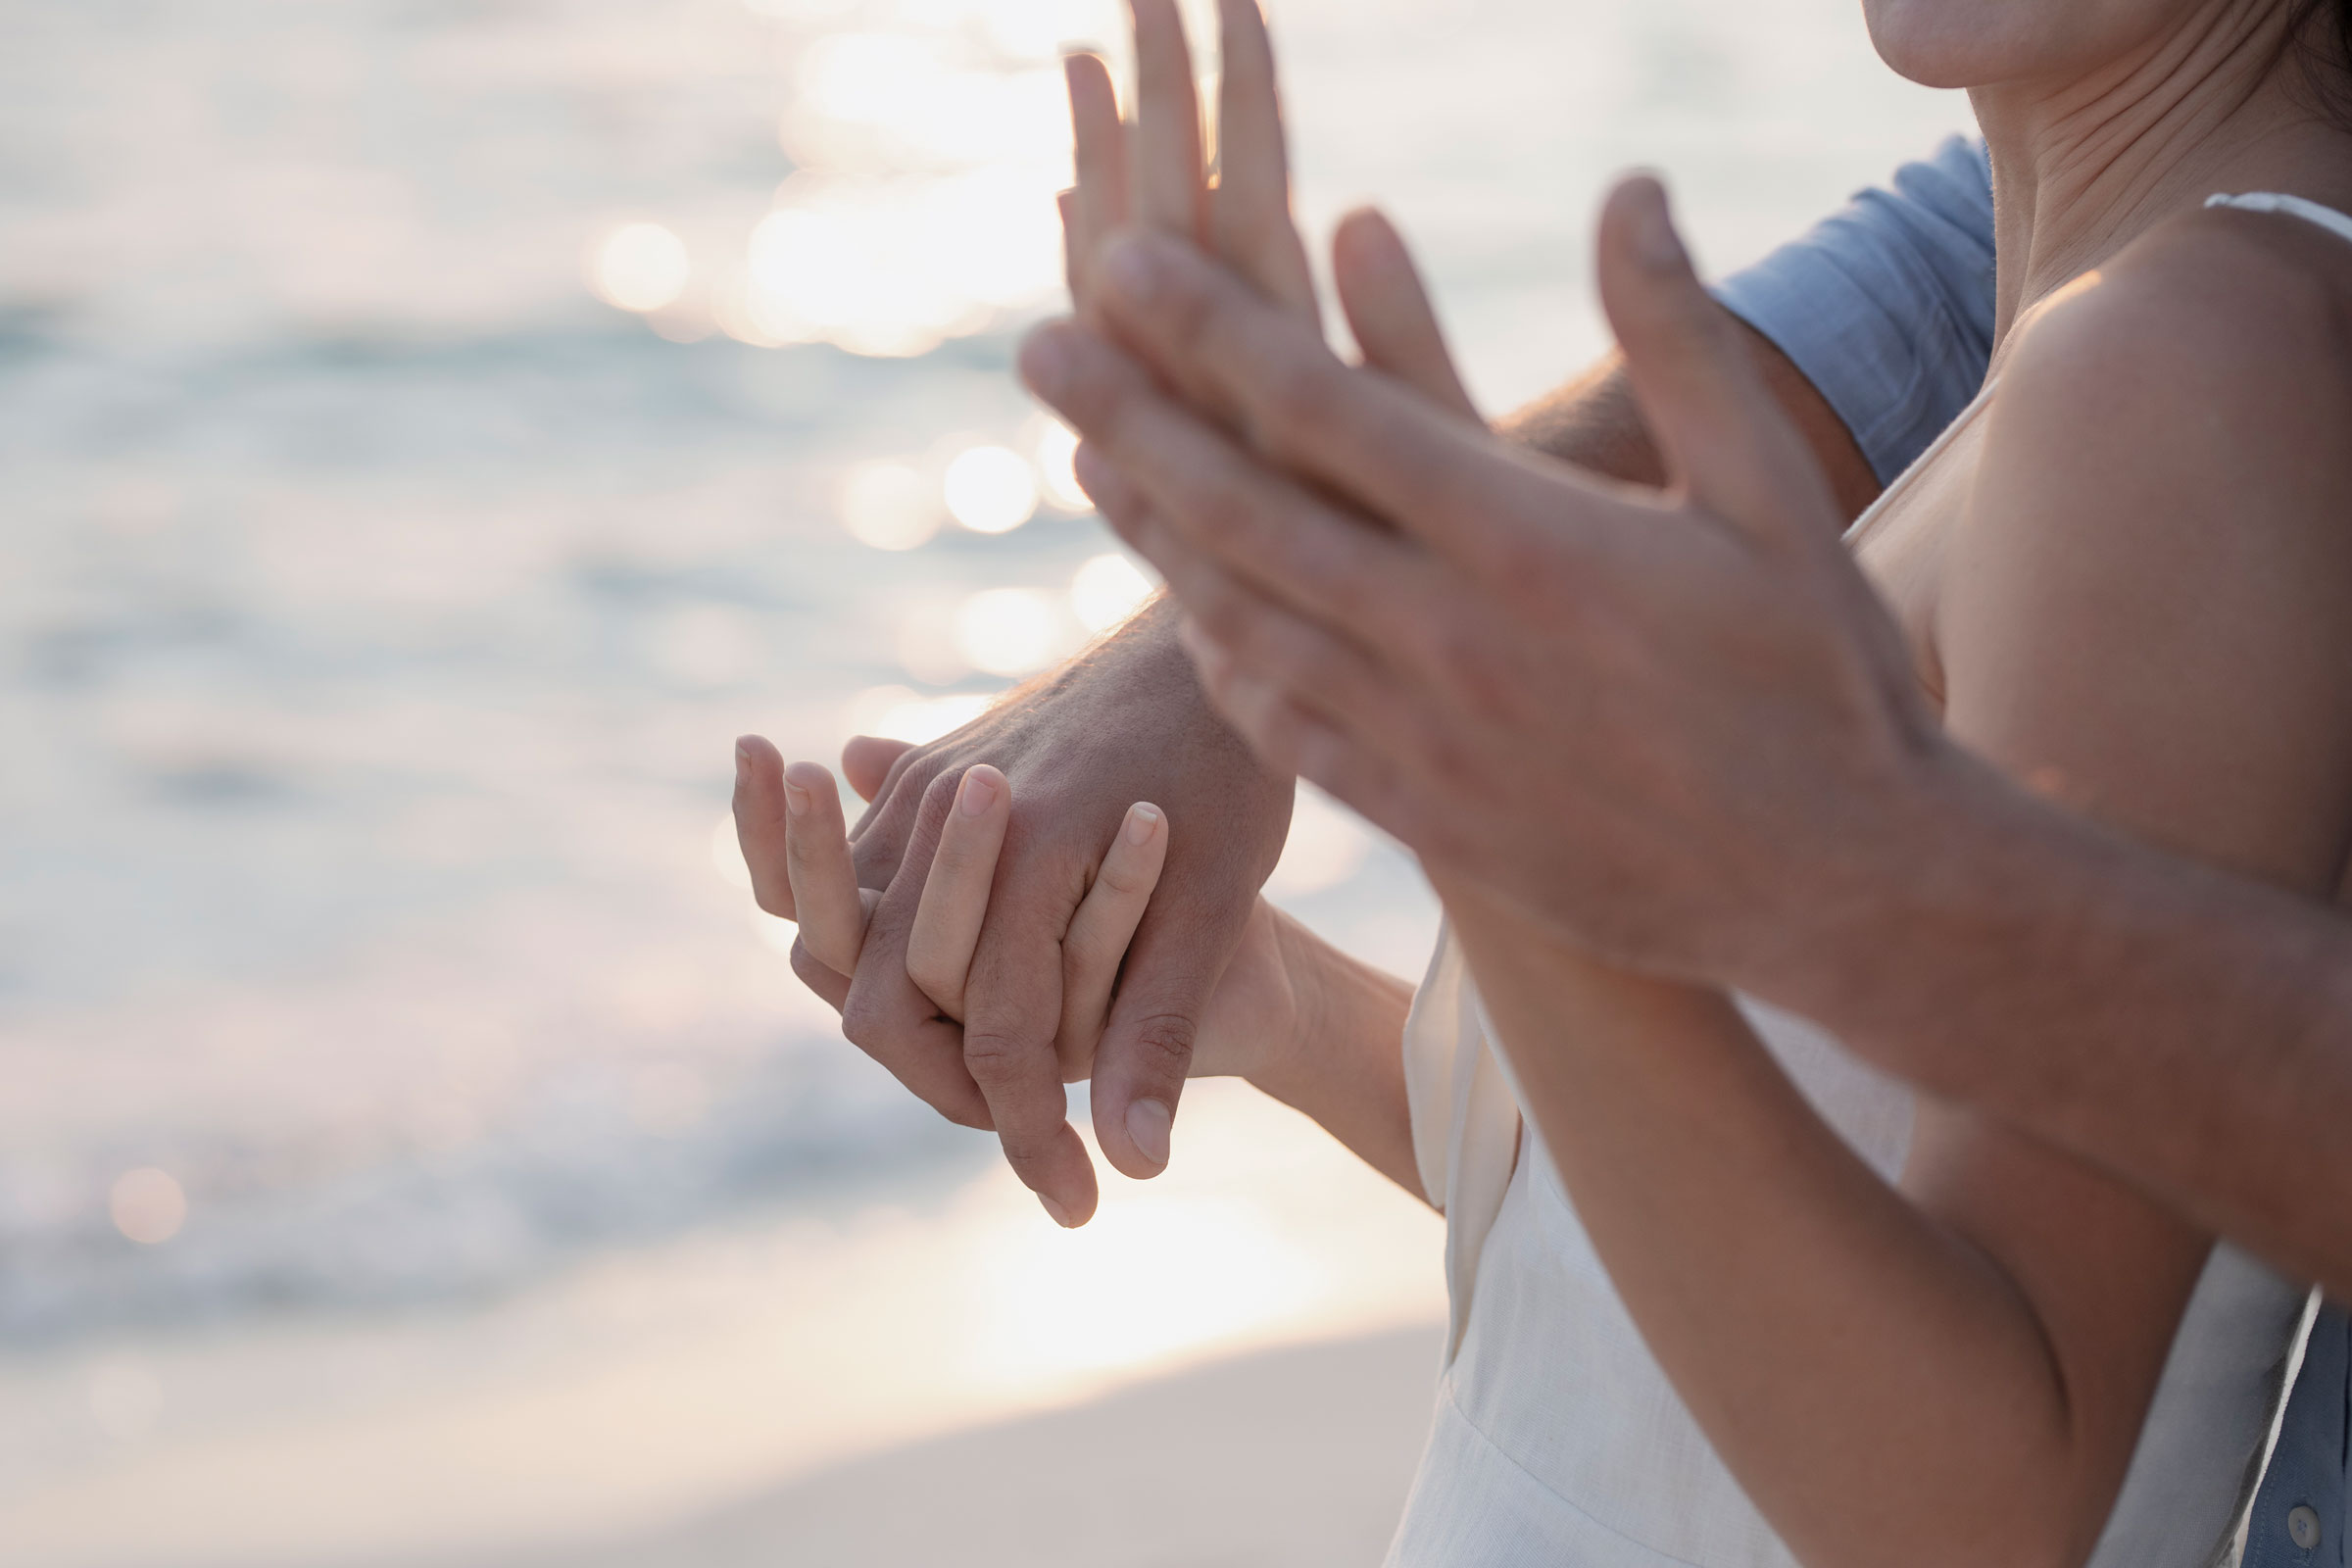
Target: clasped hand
1554,688
1621,716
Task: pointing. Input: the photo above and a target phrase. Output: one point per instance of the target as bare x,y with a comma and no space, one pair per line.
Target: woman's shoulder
2203,375
2215,314
2148,604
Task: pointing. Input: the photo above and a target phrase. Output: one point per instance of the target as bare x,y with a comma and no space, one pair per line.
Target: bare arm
1745,787
2159,624
2144,613
1129,720
1344,1061
1595,422
2189,1028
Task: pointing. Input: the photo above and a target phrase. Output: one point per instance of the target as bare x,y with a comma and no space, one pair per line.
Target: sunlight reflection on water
428,435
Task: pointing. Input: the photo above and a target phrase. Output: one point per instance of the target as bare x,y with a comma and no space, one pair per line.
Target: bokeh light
640,266
991,490
148,1205
1009,631
778,934
726,855
1056,452
1144,1281
888,506
1107,590
897,713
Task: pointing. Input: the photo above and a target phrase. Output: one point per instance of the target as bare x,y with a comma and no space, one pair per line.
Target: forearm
2189,1029
1595,422
1344,1065
1805,1309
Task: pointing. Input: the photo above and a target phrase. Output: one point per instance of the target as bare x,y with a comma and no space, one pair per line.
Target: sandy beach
428,436
1296,1456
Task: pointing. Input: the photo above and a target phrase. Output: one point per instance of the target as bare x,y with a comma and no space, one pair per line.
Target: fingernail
1148,1122
743,764
1132,270
976,794
796,798
1655,243
1142,820
1062,1215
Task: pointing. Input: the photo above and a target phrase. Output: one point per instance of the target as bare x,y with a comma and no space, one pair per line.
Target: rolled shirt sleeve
1888,304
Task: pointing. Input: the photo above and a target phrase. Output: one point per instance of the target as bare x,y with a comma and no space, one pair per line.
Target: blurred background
431,430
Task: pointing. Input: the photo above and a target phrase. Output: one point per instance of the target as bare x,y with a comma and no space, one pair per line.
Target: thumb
1726,441
1389,311
866,761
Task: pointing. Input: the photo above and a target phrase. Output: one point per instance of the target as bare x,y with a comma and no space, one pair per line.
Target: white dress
1558,1440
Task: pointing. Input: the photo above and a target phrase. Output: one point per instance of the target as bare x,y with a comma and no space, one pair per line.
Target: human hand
1653,718
1126,722
809,871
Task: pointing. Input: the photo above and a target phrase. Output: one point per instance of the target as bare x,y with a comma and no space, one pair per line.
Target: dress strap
2271,201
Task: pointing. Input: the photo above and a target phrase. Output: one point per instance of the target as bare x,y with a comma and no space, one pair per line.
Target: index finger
955,904
1249,210
1098,205
883,1013
831,906
1424,468
1169,179
760,819
1012,1013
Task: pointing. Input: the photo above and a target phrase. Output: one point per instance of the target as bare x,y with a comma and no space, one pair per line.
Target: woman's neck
2083,165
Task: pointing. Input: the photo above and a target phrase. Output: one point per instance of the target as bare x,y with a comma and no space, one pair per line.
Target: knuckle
882,837
934,981
1119,878
923,972
996,1059
1087,961
1162,1042
908,778
774,900
941,791
865,1025
965,1115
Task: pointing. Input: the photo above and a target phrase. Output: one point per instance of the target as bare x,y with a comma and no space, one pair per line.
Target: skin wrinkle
2106,150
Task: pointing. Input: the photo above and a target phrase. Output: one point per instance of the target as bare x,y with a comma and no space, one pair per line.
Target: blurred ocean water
431,430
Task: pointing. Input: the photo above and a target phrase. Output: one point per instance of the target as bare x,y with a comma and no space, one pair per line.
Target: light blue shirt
1887,309
1888,306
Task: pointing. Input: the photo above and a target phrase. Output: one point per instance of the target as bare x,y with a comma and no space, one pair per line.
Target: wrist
1920,896
1336,1005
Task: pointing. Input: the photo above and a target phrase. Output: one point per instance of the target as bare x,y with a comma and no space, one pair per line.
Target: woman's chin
1931,43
